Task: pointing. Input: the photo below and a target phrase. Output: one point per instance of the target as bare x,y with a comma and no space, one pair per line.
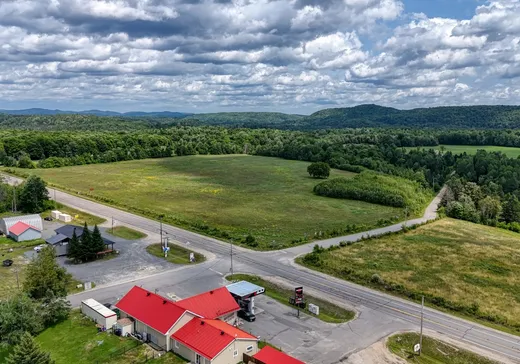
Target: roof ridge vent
148,294
164,302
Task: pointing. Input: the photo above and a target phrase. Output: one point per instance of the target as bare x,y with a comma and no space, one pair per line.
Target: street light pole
422,318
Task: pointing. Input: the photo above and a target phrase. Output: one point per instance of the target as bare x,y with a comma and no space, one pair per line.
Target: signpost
166,249
298,295
192,257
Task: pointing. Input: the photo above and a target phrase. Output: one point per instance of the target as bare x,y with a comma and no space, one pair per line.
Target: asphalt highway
281,264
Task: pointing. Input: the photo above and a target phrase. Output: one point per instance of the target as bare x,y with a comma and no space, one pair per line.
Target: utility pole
17,280
55,200
160,222
112,225
14,197
422,318
231,256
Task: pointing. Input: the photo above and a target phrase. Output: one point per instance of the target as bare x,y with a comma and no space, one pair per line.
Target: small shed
55,214
33,220
126,325
24,232
65,217
99,313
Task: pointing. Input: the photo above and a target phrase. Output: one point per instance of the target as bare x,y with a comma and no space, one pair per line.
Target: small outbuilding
125,326
33,220
24,232
99,313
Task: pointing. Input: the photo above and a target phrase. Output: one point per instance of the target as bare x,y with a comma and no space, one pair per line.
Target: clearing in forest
511,152
272,199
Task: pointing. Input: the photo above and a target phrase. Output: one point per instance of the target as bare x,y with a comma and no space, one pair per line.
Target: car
246,315
48,218
7,263
38,248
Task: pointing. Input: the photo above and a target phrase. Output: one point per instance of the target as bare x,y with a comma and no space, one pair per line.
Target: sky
293,56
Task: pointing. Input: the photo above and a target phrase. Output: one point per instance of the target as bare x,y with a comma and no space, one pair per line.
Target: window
176,344
235,353
198,359
249,348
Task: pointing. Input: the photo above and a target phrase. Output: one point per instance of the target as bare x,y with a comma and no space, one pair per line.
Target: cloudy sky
295,56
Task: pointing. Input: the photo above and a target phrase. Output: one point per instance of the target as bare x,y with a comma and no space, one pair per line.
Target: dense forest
362,116
49,141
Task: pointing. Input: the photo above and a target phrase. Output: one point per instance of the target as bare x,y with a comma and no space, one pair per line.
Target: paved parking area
314,341
133,261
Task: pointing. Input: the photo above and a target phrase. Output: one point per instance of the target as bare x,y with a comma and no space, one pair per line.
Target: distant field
448,260
472,149
270,198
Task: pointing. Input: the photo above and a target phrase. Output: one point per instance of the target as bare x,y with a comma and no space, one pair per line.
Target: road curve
281,264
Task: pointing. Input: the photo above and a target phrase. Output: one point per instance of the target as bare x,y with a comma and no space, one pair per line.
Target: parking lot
132,262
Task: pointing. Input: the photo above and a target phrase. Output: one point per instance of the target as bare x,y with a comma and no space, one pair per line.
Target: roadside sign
417,348
87,285
298,295
192,257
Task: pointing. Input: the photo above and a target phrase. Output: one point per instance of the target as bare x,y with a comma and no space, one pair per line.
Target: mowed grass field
511,152
270,198
452,260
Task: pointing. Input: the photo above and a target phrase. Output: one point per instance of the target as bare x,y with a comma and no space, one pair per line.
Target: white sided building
100,314
32,220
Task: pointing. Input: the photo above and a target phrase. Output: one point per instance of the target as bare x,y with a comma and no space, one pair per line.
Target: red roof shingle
268,355
151,309
20,227
211,304
209,337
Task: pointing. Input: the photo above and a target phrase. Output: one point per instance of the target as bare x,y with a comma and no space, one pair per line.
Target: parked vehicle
246,315
7,263
48,218
38,248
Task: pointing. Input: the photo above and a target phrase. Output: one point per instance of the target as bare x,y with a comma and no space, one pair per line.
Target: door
198,359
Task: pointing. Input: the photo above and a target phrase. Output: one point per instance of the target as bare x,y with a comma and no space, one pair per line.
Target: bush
377,279
376,188
250,240
342,244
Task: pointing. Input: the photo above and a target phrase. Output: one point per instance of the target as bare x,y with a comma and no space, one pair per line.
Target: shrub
319,170
376,188
377,279
342,244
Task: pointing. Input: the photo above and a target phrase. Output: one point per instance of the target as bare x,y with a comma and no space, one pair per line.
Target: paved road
280,264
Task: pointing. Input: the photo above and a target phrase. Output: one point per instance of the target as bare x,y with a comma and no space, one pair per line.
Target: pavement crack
467,331
350,327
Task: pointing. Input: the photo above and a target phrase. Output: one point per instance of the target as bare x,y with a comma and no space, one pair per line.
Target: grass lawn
176,255
77,341
433,351
78,217
8,276
457,265
328,312
511,152
270,198
126,233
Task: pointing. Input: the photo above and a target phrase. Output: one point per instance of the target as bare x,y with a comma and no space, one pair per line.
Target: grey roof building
61,240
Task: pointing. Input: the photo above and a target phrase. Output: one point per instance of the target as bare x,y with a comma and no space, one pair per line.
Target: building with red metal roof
268,355
184,328
217,303
22,231
213,341
156,317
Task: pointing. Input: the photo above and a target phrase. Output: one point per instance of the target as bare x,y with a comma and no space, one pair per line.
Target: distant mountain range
362,116
36,111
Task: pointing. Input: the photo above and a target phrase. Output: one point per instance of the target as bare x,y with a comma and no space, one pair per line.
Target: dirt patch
375,354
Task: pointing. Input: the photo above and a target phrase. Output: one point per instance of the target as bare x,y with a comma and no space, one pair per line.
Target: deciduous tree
44,274
319,170
34,195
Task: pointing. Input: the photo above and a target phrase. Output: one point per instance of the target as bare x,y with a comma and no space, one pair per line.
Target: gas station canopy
244,290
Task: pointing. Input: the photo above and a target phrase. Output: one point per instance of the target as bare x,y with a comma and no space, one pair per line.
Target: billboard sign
298,295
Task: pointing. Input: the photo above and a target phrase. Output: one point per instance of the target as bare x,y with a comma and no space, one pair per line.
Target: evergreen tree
86,244
54,309
75,251
28,352
97,240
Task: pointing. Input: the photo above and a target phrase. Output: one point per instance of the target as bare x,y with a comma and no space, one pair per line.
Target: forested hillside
362,116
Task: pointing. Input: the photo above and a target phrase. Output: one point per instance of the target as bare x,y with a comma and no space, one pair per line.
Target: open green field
76,340
176,255
433,351
511,152
228,196
468,268
126,233
328,311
